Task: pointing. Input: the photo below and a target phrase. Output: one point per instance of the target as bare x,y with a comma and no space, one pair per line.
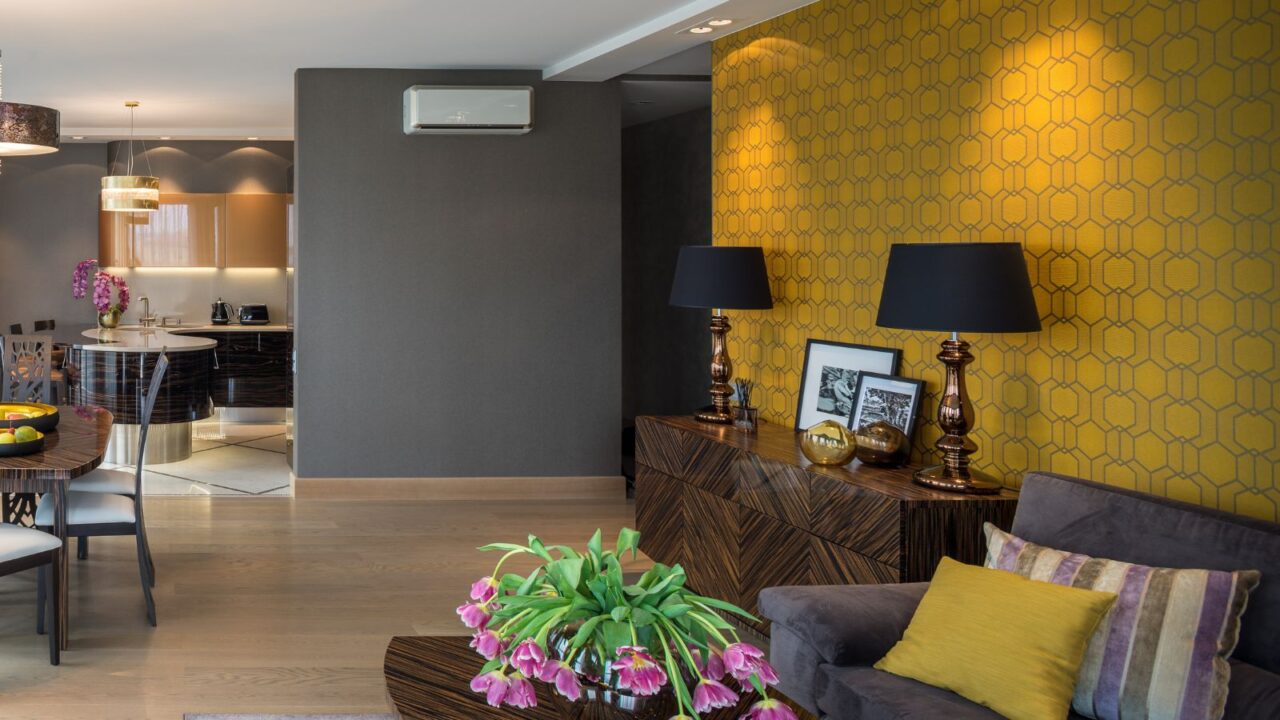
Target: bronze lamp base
975,484
955,417
721,371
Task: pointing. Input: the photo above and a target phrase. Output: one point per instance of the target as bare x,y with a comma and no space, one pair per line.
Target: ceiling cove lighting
708,26
26,129
129,192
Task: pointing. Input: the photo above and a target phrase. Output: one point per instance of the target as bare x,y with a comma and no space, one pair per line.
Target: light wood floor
265,604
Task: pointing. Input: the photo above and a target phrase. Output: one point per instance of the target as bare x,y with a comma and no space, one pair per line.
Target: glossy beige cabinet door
257,231
189,230
114,239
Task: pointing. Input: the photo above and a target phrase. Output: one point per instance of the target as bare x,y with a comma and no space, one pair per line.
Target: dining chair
97,514
24,548
26,363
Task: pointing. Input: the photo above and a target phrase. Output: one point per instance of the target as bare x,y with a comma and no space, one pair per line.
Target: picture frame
829,380
894,399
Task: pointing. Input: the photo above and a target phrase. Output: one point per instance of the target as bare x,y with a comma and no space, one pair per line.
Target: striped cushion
1162,653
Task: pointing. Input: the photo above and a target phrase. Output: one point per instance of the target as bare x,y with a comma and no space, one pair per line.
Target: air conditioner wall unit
467,110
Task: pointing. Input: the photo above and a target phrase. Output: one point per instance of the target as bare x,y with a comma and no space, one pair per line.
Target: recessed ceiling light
701,30
77,137
719,22
165,137
252,138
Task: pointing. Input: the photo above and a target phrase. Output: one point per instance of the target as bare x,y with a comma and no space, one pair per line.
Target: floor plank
265,604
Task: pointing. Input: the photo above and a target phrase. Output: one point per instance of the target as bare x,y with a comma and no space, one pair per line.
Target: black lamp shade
721,277
958,287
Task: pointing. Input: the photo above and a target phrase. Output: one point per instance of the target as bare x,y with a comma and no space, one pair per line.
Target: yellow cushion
1000,640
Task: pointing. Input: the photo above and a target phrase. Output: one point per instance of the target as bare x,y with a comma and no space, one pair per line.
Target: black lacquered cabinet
251,369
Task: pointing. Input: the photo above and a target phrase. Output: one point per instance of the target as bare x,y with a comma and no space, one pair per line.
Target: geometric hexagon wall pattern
1132,147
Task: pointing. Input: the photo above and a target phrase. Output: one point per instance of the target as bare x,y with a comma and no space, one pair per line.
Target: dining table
75,447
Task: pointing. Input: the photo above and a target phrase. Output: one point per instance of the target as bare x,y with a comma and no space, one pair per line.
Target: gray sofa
826,638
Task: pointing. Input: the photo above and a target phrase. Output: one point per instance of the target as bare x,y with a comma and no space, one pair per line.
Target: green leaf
620,613
642,617
566,551
491,666
628,539
587,630
539,549
594,546
722,605
506,547
614,636
529,582
565,573
675,610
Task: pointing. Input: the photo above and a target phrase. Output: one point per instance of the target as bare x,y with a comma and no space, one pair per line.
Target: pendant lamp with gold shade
26,129
129,192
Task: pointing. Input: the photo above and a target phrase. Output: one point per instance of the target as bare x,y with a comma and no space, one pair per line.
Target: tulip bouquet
574,620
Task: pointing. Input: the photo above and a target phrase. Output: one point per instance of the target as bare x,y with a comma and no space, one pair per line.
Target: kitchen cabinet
251,369
257,231
212,230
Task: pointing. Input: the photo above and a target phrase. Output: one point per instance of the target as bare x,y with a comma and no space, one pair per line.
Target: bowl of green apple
20,441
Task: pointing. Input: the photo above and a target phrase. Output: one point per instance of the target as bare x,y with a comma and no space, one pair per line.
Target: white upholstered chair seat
19,542
89,508
103,480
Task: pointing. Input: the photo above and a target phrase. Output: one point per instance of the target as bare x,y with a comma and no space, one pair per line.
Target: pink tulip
484,589
710,694
638,672
488,643
473,616
494,685
714,668
563,676
521,694
743,660
528,658
770,710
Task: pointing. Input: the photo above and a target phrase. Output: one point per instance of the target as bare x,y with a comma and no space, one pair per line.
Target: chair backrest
149,404
1108,522
42,325
26,363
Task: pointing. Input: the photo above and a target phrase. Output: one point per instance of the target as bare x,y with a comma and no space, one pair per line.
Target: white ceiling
224,68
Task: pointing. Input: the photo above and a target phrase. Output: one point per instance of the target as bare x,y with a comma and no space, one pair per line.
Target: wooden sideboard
744,512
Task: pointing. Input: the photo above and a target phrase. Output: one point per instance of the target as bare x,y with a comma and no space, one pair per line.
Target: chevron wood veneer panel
712,466
662,447
859,519
712,544
772,553
831,564
660,515
777,489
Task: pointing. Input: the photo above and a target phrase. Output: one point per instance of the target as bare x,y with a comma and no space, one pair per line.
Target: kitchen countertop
154,339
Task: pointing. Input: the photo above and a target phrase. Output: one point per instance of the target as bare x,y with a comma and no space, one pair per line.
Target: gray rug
205,716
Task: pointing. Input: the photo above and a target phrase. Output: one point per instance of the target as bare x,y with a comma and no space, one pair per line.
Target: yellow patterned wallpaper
1132,146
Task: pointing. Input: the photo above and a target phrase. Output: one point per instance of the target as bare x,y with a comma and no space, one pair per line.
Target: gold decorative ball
880,443
828,443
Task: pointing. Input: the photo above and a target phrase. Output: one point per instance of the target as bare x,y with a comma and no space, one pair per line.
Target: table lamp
955,288
720,278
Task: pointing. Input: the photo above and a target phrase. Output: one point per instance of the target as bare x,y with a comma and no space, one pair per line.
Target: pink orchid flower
488,644
494,685
473,616
711,694
484,589
563,676
520,693
638,672
528,658
770,710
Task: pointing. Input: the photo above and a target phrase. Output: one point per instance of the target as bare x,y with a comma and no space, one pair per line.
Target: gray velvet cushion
845,624
863,693
1106,522
1253,693
797,664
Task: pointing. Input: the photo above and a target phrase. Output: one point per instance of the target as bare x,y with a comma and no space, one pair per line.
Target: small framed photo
895,400
829,381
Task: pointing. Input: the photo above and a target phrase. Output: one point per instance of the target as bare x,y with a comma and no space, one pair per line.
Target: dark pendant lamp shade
27,130
958,287
732,278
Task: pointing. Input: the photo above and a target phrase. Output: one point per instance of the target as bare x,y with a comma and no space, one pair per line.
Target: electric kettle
221,313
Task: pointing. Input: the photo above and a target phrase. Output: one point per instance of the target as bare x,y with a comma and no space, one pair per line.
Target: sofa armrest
845,624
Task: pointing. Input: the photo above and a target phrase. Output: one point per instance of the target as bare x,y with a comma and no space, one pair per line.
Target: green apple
26,433
7,438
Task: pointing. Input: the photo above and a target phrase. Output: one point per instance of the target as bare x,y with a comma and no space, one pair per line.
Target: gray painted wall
666,190
208,166
48,223
458,297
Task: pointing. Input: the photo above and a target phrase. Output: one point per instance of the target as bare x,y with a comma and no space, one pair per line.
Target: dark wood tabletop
74,448
428,678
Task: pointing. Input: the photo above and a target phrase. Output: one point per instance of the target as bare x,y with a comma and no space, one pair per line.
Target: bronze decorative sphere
880,443
828,443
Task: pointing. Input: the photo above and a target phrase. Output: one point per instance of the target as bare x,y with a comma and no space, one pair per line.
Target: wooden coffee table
428,678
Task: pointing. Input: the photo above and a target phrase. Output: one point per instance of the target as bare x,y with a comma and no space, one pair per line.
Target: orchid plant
103,282
655,633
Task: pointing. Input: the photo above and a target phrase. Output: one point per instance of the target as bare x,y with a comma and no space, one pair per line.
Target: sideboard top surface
781,444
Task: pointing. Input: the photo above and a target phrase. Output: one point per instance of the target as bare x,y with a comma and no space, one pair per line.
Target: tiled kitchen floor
226,459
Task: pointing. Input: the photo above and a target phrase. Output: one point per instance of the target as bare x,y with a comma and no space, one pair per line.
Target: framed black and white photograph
895,400
829,381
